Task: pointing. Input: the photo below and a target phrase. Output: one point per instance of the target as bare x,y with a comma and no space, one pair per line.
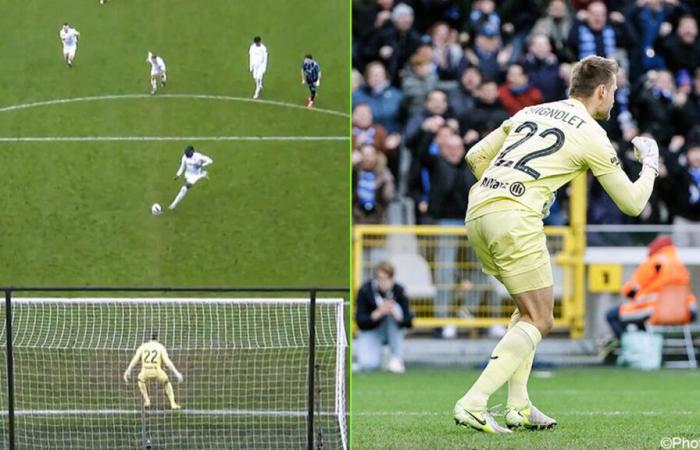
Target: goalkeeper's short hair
591,72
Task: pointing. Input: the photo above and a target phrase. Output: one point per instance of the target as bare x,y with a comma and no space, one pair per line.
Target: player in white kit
158,71
192,165
69,37
257,63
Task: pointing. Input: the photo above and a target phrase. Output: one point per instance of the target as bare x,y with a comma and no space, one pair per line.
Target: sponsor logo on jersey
517,189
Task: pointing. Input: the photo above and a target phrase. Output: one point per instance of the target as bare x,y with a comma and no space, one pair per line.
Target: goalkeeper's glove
178,375
176,177
126,377
647,152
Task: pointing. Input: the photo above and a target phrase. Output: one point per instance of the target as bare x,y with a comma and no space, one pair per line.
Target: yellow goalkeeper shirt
541,148
152,355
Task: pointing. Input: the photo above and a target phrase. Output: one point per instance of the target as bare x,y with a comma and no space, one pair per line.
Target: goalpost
245,364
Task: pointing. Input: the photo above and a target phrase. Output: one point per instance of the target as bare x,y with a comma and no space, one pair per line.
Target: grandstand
432,71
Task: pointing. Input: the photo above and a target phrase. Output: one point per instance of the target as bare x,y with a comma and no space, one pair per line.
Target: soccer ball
156,209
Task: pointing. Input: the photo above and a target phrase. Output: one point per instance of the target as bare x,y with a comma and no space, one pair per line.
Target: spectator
488,113
461,100
488,54
593,36
395,43
435,132
483,13
357,80
447,54
621,127
655,108
384,99
681,187
454,12
365,131
682,49
543,69
620,112
648,19
517,92
690,105
419,80
518,16
368,19
382,315
442,195
662,268
556,26
441,191
373,186
435,107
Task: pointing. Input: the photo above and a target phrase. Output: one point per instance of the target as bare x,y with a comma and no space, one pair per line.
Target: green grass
596,408
78,213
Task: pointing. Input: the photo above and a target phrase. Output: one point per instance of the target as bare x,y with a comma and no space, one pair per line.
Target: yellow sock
514,318
169,392
517,385
510,353
144,392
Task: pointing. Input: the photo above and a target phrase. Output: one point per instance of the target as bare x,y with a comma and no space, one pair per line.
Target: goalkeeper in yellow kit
519,167
153,355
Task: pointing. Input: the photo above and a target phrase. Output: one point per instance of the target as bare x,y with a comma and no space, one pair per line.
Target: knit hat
660,242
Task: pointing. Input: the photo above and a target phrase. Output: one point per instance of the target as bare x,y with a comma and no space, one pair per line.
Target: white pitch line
572,413
132,301
192,412
186,96
168,138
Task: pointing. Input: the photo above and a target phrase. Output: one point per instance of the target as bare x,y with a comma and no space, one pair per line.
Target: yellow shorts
511,246
153,374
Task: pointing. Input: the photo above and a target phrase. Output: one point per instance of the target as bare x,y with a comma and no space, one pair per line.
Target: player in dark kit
311,75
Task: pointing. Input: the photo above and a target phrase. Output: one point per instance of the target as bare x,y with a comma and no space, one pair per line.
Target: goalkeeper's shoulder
589,138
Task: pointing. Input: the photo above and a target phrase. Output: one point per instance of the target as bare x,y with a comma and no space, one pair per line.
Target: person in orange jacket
662,268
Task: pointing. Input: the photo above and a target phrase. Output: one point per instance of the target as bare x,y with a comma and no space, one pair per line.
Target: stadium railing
443,279
319,317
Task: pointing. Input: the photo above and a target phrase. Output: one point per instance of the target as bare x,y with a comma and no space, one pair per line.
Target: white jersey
257,57
157,64
69,36
193,167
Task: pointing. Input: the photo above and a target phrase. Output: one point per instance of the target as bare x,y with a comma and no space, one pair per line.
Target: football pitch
87,151
595,407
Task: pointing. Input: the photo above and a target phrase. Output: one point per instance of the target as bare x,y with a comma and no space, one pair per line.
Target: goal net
244,362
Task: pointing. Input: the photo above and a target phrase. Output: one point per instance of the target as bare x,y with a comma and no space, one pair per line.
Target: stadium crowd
431,77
